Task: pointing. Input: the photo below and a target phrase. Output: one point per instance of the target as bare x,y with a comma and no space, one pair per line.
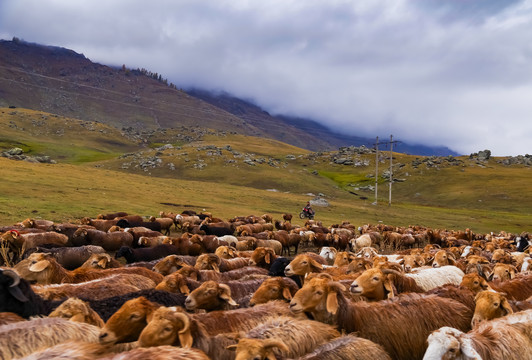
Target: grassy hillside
103,169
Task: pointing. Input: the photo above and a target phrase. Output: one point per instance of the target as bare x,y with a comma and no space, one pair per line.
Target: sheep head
318,296
264,349
210,296
167,326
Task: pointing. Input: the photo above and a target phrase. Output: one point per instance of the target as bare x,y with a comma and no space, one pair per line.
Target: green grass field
92,177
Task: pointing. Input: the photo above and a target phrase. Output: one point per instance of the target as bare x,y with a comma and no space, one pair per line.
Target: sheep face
271,289
373,284
209,296
254,349
448,343
75,309
490,305
208,262
167,326
174,283
301,265
126,324
168,265
261,255
97,261
475,283
37,268
318,295
503,272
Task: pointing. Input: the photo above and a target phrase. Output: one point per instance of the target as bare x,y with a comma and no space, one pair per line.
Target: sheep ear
267,258
78,318
194,276
215,267
269,343
39,266
467,348
102,263
332,302
505,305
315,264
388,286
184,289
226,294
286,294
231,347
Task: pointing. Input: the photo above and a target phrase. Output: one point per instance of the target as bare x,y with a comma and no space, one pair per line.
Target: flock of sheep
193,286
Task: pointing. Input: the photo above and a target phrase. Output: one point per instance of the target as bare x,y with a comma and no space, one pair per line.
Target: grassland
99,170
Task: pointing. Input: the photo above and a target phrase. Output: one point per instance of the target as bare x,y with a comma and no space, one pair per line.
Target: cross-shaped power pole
391,142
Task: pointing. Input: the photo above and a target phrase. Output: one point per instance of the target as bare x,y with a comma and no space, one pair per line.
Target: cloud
433,72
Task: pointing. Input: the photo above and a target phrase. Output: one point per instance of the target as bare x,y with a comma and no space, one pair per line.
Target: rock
15,151
165,147
319,201
290,157
249,162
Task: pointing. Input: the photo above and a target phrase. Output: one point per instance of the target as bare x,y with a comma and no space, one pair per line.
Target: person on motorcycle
308,209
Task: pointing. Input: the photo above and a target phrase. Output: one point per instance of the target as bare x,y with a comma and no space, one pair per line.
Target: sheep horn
390,271
13,288
13,275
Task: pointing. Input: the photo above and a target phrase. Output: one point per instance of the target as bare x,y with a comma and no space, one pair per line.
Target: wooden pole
391,171
376,168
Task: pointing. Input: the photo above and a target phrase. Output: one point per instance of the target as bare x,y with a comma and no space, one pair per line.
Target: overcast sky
456,73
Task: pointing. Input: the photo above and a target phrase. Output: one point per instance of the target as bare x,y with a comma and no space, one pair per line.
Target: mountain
60,81
328,139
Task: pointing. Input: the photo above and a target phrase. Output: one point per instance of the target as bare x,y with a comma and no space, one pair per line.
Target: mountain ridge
59,80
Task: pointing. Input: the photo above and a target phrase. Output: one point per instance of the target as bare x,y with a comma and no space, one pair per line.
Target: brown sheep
97,289
348,347
166,223
74,309
287,217
299,337
262,257
275,288
490,305
172,263
109,241
212,295
18,241
304,264
159,353
518,289
101,261
112,216
9,317
504,272
100,224
126,324
200,330
44,269
382,322
213,262
205,275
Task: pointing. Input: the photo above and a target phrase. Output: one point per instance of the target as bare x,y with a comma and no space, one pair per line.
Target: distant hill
60,81
327,139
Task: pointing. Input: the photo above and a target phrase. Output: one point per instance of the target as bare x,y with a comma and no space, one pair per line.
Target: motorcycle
306,214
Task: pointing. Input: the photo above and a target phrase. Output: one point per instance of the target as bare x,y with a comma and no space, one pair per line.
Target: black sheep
17,296
216,230
152,225
277,269
107,307
146,254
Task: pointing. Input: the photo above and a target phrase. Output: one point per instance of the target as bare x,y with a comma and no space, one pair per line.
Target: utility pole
376,168
391,171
